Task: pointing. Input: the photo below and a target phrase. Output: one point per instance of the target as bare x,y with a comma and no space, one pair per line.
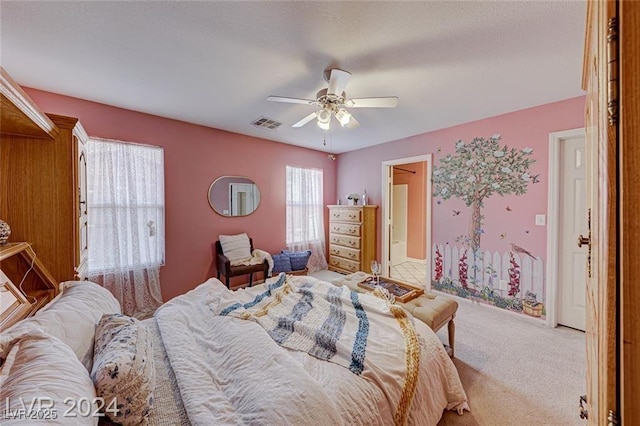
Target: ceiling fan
333,101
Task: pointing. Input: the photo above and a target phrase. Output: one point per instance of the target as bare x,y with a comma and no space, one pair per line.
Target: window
126,206
304,205
305,214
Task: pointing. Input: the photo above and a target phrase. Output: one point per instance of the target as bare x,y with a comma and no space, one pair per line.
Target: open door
611,79
420,235
387,219
601,300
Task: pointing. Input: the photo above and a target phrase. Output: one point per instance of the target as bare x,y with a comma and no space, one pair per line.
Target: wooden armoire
612,80
43,194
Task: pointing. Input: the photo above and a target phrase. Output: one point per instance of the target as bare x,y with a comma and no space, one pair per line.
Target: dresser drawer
347,253
340,263
345,228
344,240
346,215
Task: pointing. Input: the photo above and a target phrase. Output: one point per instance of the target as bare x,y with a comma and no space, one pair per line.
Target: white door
573,222
399,224
242,198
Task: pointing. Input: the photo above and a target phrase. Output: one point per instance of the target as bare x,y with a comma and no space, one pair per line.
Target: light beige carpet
516,371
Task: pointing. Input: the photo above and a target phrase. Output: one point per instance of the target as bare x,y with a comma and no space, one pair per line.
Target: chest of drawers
352,238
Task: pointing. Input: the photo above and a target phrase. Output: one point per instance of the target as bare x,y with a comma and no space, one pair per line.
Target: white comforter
230,371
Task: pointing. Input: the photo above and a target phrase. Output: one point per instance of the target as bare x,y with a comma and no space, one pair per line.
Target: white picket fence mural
490,269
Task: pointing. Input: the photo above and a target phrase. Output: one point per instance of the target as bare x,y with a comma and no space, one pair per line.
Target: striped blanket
362,333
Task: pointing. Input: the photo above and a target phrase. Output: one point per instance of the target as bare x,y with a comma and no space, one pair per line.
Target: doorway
406,212
399,215
242,198
566,272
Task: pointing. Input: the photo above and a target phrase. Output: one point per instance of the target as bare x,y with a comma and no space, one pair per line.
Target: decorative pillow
72,317
123,367
236,247
42,373
281,263
298,259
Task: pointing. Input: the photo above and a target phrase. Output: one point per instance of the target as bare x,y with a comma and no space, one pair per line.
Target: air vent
266,123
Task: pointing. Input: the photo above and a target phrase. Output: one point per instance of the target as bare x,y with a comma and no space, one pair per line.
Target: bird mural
518,249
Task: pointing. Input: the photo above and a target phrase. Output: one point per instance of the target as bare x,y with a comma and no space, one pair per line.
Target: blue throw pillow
298,259
281,263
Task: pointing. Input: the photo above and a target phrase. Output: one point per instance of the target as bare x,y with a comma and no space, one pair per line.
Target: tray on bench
403,292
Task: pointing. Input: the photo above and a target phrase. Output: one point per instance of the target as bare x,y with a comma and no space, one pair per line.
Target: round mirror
234,196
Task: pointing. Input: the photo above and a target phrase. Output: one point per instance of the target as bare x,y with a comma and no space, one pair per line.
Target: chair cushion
236,248
281,263
298,259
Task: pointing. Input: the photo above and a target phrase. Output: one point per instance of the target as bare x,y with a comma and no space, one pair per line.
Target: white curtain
125,197
305,214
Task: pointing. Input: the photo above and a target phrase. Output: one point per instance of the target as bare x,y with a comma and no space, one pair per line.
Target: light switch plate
541,220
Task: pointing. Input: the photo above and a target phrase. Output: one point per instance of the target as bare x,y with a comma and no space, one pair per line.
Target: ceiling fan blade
388,102
338,81
291,100
353,123
305,120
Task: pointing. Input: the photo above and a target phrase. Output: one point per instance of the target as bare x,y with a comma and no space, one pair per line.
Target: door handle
586,241
583,241
584,414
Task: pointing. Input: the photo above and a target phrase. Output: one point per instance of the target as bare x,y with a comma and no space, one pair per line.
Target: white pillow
124,368
236,247
72,317
43,375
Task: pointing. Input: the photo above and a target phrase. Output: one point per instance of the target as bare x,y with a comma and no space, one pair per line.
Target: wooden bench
432,309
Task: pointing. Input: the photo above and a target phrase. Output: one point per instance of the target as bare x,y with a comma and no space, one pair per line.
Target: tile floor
411,272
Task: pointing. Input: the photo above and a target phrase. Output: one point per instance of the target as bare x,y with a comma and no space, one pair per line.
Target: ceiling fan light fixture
324,125
323,115
343,116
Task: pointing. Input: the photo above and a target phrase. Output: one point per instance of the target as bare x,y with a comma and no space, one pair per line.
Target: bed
211,356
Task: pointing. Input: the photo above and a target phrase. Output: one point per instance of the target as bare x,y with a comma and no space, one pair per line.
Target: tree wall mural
478,170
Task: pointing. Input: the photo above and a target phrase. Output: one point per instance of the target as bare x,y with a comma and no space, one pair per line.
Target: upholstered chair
223,265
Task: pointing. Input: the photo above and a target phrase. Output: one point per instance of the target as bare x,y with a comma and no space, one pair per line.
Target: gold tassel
412,357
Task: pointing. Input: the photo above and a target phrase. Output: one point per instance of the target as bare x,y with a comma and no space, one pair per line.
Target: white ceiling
214,63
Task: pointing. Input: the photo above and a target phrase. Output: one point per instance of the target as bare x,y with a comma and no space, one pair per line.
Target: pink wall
194,157
417,210
520,129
